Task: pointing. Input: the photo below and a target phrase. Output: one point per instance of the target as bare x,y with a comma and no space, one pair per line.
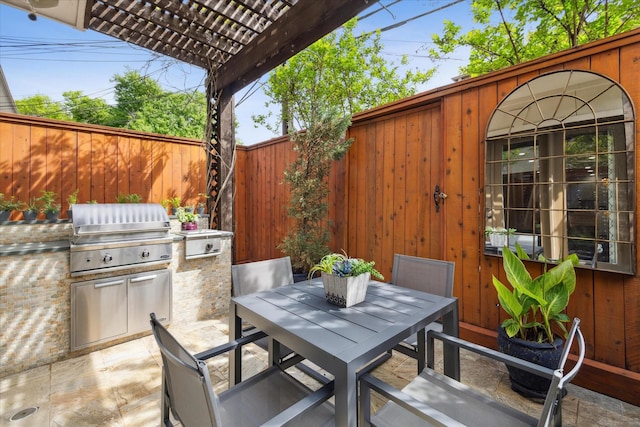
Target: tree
516,31
132,92
317,147
316,92
42,106
340,70
84,109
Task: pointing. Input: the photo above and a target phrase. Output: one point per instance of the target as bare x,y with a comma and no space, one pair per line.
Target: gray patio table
342,340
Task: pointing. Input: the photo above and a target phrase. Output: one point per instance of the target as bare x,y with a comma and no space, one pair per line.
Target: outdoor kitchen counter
35,289
34,247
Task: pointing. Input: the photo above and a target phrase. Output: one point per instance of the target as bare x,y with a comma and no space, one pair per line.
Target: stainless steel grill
110,237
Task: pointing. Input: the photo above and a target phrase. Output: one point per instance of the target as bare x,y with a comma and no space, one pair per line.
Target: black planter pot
544,354
4,215
29,215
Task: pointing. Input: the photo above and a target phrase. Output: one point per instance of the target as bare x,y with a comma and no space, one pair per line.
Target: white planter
498,240
345,291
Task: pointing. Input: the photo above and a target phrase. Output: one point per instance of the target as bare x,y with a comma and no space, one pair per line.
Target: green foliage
323,142
141,104
171,201
535,305
184,216
84,109
42,106
72,199
9,204
515,31
47,202
129,198
341,71
344,266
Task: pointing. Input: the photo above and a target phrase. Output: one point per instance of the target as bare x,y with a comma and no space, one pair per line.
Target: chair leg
165,411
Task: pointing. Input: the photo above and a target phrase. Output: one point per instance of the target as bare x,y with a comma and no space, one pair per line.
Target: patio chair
427,275
271,396
434,399
261,276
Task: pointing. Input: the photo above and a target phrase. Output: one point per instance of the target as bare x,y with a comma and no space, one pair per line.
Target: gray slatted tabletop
342,340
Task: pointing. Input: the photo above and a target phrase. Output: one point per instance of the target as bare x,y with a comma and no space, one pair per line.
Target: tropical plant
344,266
535,305
185,216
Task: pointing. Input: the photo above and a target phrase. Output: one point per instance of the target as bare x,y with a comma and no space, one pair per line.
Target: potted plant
499,236
48,204
129,198
345,279
173,203
30,210
536,311
7,206
188,219
72,199
202,204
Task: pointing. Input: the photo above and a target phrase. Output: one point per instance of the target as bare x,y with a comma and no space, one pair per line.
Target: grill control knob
107,259
208,247
145,254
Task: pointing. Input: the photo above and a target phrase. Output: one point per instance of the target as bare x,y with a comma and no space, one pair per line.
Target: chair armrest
484,351
416,407
231,345
300,408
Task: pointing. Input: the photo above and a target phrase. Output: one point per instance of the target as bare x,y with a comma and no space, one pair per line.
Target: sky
48,58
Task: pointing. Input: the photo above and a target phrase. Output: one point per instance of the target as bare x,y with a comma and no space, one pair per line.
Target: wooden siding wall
38,154
382,203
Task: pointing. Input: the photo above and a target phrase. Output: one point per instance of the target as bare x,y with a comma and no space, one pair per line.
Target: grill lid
108,222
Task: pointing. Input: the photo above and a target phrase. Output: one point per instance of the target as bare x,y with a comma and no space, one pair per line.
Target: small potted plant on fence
536,308
188,219
173,202
345,279
72,199
30,210
49,205
7,206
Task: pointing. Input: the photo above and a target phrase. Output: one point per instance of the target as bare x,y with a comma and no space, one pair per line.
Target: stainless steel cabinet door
98,311
149,292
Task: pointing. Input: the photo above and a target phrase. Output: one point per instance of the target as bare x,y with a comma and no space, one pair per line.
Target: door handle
438,197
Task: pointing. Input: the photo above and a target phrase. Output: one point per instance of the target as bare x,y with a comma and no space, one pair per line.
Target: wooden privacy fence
101,162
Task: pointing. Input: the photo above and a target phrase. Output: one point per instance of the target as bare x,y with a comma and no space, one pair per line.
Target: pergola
235,41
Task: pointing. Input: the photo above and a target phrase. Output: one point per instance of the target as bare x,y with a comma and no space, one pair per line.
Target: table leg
421,350
346,397
451,353
235,356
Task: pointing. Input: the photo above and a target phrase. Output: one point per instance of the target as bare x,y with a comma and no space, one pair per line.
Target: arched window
560,171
